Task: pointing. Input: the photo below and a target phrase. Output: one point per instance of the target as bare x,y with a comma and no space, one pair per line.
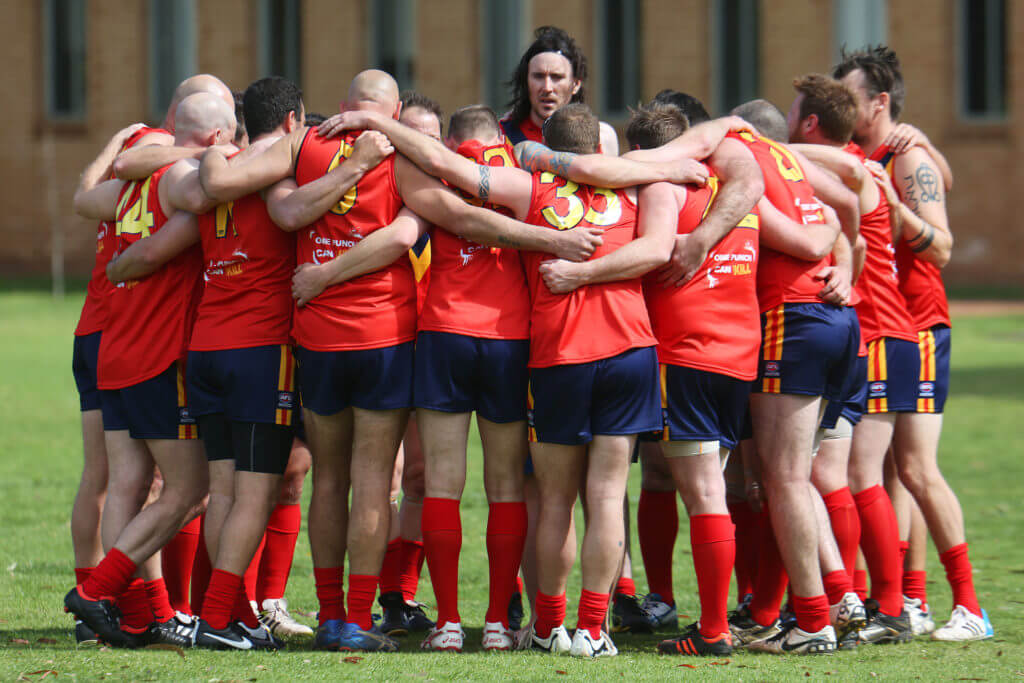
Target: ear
576,85
211,138
398,110
291,122
810,123
882,102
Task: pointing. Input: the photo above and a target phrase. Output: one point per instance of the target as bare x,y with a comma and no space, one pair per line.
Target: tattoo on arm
483,188
537,157
922,240
928,181
509,241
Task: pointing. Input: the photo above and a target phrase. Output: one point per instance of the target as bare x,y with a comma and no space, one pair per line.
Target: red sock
748,539
506,536
329,592
592,611
811,613
442,543
390,570
914,585
713,539
837,584
242,609
411,567
219,601
136,615
842,514
82,574
278,550
961,580
159,601
110,578
252,572
176,560
881,548
771,580
625,586
362,589
201,570
657,525
860,583
550,613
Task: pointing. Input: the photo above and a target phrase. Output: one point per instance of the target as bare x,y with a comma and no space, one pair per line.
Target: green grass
40,464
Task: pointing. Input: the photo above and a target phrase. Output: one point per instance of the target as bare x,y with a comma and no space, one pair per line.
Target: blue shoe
328,635
374,640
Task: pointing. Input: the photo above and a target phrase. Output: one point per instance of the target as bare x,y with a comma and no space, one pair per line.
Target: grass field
40,442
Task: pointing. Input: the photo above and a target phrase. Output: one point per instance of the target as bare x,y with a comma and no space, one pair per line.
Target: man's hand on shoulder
370,149
689,171
121,136
345,121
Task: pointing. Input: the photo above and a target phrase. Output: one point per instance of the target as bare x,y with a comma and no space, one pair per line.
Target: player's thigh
330,442
182,463
444,438
559,470
871,439
375,438
916,442
608,468
655,474
784,427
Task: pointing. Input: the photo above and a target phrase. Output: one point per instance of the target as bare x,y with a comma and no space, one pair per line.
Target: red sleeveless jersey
371,311
94,310
248,263
920,281
525,129
881,309
475,290
782,278
712,322
150,319
595,321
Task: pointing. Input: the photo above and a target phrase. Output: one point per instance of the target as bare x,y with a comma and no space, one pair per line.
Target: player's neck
536,120
877,134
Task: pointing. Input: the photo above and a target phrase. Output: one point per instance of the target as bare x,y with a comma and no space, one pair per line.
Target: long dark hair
546,39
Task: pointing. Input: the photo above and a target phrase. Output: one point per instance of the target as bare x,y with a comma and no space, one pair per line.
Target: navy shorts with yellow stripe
808,349
456,373
854,403
254,384
697,405
371,379
934,346
156,408
893,368
571,404
84,358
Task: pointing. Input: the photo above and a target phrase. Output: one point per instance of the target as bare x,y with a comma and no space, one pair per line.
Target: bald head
204,119
200,83
766,117
373,90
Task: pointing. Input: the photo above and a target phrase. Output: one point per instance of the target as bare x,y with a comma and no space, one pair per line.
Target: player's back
475,290
711,323
150,319
371,311
782,278
594,321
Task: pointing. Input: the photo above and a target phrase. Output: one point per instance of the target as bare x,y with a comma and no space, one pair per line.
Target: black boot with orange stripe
692,643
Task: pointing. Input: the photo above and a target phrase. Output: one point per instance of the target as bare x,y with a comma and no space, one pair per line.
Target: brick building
77,70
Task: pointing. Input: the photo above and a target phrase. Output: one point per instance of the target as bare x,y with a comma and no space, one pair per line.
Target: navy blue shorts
808,349
156,408
570,404
893,367
371,379
934,346
697,405
854,404
84,358
459,374
255,384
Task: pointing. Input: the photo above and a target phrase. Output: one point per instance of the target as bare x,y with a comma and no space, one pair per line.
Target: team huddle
749,306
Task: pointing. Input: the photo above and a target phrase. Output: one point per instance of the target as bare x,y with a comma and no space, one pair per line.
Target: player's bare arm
292,207
658,212
224,181
837,278
905,136
151,153
431,200
378,250
99,203
180,189
100,167
509,187
602,170
831,191
925,224
742,186
848,168
699,142
150,253
810,242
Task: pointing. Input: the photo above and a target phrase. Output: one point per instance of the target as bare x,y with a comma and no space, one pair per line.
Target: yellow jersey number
575,212
137,219
789,168
224,217
349,200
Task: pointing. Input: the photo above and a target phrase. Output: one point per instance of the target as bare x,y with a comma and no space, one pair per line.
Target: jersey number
575,211
225,216
784,159
137,219
349,200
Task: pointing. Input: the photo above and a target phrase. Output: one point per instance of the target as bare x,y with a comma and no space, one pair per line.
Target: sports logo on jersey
286,400
876,389
926,389
771,369
185,417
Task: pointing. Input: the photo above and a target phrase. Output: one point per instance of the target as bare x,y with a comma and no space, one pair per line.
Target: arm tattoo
923,239
503,239
534,157
483,188
928,181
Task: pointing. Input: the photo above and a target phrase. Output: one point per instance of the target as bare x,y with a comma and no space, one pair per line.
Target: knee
701,492
414,480
918,477
291,486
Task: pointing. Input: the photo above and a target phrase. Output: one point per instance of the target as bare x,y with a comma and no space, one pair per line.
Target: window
393,39
619,49
857,24
502,43
281,39
734,51
982,60
172,50
64,58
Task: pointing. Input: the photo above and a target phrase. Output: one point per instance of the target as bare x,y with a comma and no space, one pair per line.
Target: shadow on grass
1007,381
